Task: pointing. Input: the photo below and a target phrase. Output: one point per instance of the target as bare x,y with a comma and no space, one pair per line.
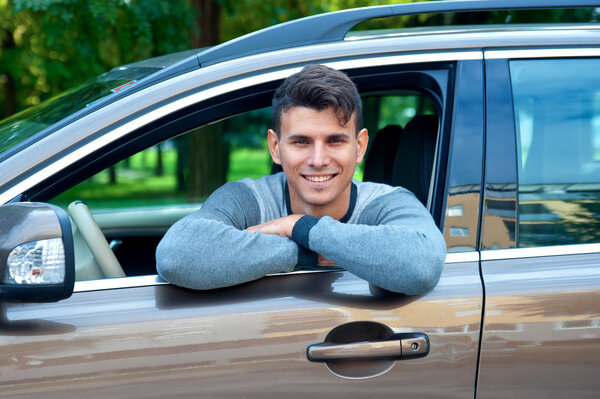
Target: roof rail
333,26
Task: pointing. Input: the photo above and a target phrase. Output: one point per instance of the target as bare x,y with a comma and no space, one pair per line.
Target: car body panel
465,176
542,325
167,341
500,202
541,335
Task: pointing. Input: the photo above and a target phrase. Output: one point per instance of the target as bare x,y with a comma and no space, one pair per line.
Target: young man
311,214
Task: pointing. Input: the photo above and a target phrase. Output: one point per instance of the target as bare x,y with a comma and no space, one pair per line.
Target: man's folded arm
211,248
395,245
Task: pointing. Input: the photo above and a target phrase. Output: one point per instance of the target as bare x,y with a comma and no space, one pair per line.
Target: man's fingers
281,226
325,262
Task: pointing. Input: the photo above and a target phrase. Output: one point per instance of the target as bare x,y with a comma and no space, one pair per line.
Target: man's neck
336,209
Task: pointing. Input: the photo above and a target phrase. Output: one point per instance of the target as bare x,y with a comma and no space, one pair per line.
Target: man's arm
211,248
396,244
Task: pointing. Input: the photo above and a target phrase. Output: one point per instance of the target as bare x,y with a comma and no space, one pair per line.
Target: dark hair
318,87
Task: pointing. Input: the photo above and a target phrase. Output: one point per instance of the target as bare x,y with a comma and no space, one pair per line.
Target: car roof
163,61
334,26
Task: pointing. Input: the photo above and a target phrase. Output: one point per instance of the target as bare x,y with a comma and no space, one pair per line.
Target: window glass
26,123
557,111
185,169
403,130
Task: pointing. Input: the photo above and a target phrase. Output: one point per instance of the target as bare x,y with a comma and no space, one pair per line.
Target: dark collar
344,219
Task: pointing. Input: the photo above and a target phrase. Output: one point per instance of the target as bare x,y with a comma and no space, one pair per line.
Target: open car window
136,200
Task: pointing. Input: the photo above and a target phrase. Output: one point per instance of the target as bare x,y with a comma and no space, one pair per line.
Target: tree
52,45
207,158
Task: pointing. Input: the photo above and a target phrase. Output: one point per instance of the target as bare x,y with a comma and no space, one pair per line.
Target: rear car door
139,336
540,240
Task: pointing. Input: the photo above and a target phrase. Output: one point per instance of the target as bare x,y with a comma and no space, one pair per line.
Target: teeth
319,178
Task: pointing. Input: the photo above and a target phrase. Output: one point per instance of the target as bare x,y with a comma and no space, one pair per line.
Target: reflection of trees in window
555,218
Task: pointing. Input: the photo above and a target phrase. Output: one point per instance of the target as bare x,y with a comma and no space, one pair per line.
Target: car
495,128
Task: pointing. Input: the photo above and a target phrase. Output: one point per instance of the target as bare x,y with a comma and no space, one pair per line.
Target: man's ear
273,142
362,141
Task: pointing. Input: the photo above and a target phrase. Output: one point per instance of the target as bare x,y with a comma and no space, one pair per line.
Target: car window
403,131
188,168
135,201
182,170
557,111
31,121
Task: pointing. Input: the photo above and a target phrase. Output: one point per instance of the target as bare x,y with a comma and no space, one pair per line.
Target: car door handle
398,346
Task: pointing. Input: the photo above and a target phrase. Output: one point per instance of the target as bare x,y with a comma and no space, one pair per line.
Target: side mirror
36,253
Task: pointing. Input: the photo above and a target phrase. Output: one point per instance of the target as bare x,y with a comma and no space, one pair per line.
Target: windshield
24,124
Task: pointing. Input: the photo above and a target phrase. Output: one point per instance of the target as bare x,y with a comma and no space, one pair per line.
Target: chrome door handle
399,346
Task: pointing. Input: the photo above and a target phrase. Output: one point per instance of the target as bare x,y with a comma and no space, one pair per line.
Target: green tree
49,46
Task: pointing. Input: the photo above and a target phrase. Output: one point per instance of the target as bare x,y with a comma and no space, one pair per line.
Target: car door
139,336
540,252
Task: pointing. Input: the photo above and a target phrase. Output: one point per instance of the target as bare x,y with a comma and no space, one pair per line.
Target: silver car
496,129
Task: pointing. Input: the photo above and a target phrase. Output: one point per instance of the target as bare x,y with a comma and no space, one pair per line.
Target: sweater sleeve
211,248
395,244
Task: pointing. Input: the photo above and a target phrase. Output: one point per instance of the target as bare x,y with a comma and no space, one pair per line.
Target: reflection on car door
542,318
246,340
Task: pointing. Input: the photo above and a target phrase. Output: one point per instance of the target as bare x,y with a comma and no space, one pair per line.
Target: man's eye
300,141
335,140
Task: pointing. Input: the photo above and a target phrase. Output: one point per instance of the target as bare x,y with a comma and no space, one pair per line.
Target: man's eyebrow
344,136
297,136
293,137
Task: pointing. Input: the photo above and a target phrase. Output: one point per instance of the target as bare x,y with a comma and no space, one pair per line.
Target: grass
137,184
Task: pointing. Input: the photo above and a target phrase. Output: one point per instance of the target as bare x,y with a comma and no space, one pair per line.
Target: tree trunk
181,169
207,164
160,170
112,175
206,152
10,92
208,22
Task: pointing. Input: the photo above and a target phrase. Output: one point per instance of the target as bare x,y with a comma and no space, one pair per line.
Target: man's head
318,87
316,138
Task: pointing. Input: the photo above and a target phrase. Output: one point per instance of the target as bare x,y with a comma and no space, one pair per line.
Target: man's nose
319,156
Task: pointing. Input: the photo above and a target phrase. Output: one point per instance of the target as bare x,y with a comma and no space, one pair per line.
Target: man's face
318,157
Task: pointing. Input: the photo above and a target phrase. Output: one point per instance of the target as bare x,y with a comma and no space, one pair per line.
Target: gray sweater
387,237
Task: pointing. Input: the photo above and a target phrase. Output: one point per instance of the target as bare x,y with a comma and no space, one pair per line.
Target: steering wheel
95,240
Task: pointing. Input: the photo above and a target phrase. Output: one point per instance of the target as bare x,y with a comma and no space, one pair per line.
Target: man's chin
318,200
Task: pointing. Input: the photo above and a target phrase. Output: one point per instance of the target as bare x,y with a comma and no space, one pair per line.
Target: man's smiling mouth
319,179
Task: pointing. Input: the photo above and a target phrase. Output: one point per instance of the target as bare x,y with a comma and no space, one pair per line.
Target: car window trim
563,52
538,252
115,134
156,280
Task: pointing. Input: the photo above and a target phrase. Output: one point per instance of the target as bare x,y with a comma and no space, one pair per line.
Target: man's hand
325,262
282,226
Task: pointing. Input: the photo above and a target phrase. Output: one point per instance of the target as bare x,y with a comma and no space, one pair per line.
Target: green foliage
61,43
242,17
